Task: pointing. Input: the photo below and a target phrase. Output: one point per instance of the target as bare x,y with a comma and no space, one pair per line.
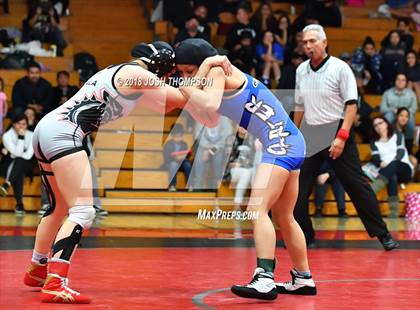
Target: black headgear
193,52
158,56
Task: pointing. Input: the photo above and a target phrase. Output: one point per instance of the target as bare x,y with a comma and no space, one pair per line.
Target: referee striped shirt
324,91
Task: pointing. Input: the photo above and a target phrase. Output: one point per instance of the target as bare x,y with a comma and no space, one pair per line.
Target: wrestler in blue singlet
255,108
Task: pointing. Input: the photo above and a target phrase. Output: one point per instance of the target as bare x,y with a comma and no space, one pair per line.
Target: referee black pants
348,170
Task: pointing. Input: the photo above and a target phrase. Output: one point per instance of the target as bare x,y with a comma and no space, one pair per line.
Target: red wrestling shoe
35,275
55,289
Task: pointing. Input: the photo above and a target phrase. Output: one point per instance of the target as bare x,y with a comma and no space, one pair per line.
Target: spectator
244,56
366,64
201,13
243,24
362,123
43,24
403,29
270,56
263,19
327,175
391,157
240,150
412,71
177,12
295,45
329,14
175,152
393,56
32,91
210,160
288,82
3,104
30,114
398,97
282,30
401,124
18,153
5,5
192,30
212,11
63,91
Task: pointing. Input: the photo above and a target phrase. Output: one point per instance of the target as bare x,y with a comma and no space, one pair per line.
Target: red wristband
343,134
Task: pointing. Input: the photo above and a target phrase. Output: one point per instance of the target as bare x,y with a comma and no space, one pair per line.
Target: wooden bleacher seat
145,123
137,141
115,159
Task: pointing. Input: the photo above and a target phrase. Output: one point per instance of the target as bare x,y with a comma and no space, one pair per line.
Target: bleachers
129,151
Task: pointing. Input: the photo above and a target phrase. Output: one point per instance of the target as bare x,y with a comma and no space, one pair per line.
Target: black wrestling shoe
262,286
4,188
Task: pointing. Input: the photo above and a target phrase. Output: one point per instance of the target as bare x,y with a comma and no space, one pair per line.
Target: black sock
267,264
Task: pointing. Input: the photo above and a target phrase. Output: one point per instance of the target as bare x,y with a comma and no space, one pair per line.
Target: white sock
39,258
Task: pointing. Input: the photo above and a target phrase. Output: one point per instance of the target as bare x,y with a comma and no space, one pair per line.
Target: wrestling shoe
35,275
262,286
55,289
300,285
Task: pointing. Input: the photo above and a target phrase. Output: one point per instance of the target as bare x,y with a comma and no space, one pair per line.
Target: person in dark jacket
32,91
63,91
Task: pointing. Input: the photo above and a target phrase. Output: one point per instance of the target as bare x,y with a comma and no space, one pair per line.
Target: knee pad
82,215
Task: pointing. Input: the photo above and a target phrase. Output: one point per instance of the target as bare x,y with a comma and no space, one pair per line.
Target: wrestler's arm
207,101
155,94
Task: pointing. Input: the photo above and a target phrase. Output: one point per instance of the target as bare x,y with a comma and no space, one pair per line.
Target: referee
326,106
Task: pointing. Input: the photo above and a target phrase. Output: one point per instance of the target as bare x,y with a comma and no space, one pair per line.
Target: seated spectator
391,157
398,97
362,123
31,116
212,11
282,30
3,104
401,122
329,14
270,57
412,71
192,30
240,150
295,46
393,58
243,24
201,13
403,29
366,63
43,24
288,82
32,91
244,56
327,176
175,154
210,158
17,161
63,91
263,20
5,5
177,12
